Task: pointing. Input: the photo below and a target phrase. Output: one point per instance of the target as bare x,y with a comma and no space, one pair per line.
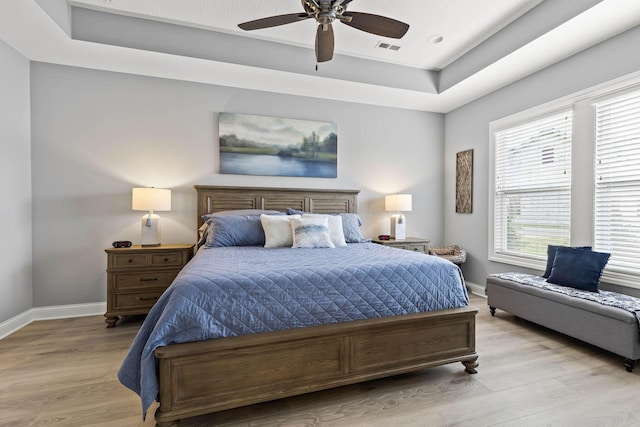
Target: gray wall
468,128
96,134
15,184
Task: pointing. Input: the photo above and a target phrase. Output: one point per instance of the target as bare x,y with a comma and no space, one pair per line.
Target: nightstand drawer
159,279
417,248
413,244
129,260
137,300
168,259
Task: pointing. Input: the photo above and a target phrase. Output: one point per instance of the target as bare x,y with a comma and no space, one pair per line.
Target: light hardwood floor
63,372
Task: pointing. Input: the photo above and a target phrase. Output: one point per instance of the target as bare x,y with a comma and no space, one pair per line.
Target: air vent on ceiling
388,46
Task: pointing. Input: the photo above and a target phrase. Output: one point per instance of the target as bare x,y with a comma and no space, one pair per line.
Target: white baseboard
52,312
476,289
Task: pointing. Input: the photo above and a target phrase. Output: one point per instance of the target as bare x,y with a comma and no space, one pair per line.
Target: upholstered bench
597,320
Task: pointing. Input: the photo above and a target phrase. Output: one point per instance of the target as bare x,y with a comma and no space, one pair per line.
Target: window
568,173
531,188
617,183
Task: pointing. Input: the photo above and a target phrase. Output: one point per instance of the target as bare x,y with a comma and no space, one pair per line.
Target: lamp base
398,230
150,230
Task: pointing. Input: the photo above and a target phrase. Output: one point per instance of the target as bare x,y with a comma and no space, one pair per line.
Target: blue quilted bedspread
233,291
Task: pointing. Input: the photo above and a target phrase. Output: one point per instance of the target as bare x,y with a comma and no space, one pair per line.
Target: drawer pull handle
148,298
166,259
148,279
130,260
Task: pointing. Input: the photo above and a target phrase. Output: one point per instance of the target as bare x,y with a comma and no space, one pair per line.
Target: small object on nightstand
414,244
384,237
121,244
137,276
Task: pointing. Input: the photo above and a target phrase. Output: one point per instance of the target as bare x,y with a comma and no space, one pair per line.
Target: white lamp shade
397,202
151,199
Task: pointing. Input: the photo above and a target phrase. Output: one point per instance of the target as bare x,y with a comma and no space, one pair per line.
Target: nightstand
137,276
410,243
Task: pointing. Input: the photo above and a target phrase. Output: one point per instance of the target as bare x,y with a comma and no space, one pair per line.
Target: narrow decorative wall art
464,181
261,145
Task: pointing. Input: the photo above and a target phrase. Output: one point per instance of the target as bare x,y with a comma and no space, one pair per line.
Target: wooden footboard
209,376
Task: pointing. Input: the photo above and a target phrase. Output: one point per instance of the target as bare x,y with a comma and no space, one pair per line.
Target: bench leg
629,364
492,310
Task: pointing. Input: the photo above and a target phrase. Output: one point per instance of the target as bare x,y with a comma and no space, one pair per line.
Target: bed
237,358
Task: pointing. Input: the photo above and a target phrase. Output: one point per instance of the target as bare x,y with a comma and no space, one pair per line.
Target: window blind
617,182
532,198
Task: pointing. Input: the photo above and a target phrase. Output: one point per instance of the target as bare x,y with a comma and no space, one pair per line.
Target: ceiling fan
327,11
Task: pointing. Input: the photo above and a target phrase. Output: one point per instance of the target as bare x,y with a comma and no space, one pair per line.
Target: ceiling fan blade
324,43
273,21
376,24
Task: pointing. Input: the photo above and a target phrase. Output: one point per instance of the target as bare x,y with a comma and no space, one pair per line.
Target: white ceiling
472,63
461,23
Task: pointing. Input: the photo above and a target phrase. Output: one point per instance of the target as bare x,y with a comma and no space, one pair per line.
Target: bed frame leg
471,365
629,364
492,310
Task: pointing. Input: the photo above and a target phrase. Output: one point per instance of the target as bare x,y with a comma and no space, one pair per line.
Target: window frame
510,122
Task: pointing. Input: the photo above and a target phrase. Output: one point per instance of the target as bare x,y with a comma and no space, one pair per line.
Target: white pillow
277,230
336,231
311,233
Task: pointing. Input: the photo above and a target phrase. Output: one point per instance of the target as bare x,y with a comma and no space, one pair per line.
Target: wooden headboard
214,199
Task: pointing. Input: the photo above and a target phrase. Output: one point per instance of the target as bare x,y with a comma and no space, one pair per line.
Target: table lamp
150,199
398,203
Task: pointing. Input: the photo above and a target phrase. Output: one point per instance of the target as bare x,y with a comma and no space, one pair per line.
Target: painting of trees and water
261,145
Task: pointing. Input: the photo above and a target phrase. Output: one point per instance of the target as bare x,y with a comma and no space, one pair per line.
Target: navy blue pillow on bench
578,268
551,254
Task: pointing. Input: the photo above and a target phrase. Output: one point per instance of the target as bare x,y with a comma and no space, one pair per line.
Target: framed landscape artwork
262,145
464,181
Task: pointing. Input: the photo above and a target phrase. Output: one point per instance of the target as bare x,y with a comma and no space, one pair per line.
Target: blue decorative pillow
578,268
311,232
351,227
244,212
234,230
292,211
551,254
246,231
